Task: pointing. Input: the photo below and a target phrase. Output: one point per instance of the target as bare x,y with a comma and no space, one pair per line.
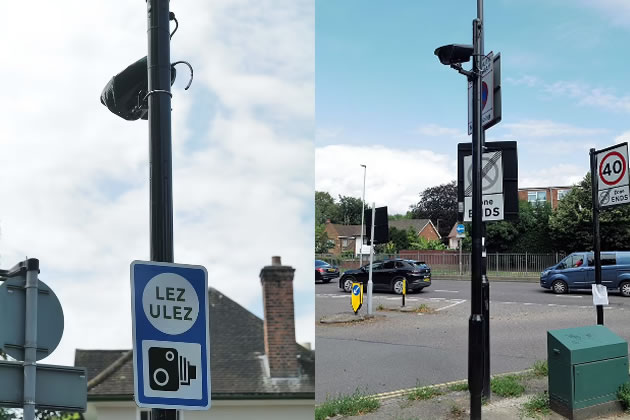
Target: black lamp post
454,55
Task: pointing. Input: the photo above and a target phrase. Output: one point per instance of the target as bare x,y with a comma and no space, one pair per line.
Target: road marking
569,296
338,296
447,291
437,298
401,392
508,303
450,306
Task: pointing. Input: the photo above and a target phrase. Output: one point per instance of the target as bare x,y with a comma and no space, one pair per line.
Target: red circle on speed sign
610,169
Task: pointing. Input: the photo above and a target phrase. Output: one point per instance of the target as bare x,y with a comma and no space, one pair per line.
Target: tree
438,203
322,242
399,238
571,225
349,210
325,208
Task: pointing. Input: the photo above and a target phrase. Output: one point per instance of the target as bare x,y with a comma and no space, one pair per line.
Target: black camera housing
163,369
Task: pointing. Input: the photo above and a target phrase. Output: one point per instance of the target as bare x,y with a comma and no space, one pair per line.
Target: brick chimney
280,347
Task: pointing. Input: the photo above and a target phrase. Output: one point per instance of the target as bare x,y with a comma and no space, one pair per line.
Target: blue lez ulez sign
171,341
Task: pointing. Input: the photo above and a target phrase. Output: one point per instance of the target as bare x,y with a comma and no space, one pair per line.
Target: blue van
577,271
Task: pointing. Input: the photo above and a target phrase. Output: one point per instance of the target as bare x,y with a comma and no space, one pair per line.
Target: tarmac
397,405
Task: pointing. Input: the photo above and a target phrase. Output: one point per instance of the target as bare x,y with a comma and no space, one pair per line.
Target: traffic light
454,54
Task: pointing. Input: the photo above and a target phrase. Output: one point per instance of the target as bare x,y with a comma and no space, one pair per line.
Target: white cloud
527,80
623,137
561,174
394,177
616,12
585,94
75,177
546,128
434,130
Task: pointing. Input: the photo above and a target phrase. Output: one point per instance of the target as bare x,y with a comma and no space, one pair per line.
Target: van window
574,260
609,259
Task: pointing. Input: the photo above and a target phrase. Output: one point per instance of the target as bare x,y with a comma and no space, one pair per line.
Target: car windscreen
319,263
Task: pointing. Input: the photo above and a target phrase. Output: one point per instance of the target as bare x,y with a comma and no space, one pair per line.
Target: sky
74,178
384,100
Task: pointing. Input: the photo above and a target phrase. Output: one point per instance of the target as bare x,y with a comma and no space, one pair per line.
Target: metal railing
498,264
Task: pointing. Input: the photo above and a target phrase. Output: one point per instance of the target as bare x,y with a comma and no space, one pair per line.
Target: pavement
455,405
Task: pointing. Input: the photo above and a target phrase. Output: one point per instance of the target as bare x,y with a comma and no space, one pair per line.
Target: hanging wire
191,71
171,16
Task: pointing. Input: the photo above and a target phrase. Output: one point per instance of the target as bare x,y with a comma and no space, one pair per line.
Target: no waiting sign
612,175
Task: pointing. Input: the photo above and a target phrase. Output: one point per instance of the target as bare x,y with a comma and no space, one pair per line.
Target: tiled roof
348,231
236,366
405,224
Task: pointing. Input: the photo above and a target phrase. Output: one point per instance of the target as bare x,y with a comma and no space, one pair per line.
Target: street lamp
454,55
362,217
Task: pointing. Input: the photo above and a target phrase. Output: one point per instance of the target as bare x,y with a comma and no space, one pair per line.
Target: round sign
356,290
489,173
170,303
12,312
612,168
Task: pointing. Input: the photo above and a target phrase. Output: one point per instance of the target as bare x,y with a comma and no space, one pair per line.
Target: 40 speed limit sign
612,176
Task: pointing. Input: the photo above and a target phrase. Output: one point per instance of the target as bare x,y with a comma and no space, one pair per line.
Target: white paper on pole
600,294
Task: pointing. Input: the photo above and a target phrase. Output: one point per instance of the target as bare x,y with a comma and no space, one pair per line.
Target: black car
388,275
325,272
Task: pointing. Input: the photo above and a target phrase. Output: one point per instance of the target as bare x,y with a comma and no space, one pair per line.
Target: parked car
388,275
577,271
325,272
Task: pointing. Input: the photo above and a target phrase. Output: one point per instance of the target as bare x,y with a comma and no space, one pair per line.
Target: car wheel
347,284
559,287
397,286
625,289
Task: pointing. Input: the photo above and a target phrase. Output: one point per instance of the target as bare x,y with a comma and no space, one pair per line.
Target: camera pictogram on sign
168,370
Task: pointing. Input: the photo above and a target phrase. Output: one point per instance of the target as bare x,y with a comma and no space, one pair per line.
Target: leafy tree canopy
438,203
571,225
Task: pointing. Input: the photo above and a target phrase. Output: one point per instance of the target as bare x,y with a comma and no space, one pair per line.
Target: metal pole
596,239
30,337
460,256
362,218
485,284
371,260
476,321
161,181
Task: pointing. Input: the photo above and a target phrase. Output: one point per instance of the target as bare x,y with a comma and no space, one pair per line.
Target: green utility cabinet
587,365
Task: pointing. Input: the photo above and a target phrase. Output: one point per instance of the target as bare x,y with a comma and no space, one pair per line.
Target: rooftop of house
554,187
237,367
404,224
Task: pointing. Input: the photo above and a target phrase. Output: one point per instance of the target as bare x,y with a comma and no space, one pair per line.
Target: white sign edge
606,151
133,328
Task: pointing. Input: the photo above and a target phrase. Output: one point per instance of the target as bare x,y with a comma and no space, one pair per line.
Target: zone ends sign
612,175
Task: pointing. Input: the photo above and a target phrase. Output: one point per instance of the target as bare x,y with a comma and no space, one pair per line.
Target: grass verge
624,395
540,368
423,393
507,386
424,309
537,406
462,386
349,405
